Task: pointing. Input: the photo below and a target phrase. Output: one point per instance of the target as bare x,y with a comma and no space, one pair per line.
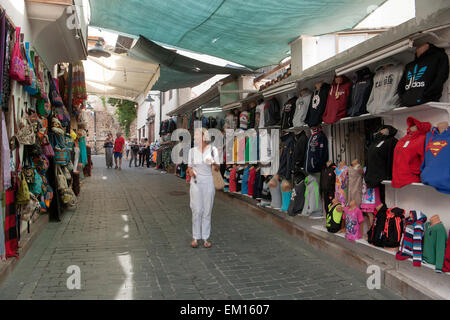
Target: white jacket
301,109
384,97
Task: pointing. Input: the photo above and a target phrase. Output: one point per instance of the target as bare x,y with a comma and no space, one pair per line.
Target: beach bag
68,141
25,134
62,155
55,97
17,67
40,82
32,88
23,193
28,210
28,75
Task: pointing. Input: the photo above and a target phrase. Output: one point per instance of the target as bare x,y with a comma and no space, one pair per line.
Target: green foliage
103,98
126,112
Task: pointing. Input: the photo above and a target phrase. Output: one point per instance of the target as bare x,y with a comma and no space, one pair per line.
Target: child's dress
232,182
370,198
341,184
353,218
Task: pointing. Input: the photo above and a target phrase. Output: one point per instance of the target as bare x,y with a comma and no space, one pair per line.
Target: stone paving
130,237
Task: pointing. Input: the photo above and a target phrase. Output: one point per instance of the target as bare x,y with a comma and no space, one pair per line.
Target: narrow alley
130,238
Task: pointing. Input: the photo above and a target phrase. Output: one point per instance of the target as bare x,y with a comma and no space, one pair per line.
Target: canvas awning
176,70
252,33
119,76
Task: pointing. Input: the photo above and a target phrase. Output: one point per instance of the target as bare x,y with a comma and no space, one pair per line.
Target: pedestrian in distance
119,145
202,159
127,148
146,153
109,145
141,152
134,152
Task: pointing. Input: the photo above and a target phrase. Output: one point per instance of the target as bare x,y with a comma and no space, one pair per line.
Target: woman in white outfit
202,158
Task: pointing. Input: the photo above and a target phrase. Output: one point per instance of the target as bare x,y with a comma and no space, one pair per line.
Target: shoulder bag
219,184
17,68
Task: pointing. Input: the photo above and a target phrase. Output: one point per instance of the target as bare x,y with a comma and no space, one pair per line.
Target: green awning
178,71
253,33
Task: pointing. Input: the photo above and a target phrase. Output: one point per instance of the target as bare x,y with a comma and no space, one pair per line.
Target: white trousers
202,201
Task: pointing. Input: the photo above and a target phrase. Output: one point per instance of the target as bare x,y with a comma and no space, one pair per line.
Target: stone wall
106,121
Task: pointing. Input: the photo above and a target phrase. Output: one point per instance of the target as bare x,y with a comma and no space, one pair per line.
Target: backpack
334,218
393,227
375,233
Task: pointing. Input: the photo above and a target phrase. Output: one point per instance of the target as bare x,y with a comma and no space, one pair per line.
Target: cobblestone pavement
130,237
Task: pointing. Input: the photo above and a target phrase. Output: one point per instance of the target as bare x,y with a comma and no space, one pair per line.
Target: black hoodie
361,89
317,105
288,112
423,79
272,113
380,157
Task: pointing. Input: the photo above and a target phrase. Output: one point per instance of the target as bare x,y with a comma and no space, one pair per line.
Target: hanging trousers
202,201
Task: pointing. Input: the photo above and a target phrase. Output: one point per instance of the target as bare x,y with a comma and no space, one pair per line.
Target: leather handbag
17,67
219,184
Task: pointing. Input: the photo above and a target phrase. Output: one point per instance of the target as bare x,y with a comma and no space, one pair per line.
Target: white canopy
119,76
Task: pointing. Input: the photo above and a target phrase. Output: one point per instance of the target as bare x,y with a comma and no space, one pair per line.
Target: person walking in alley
119,146
203,158
127,148
134,152
146,153
141,152
109,145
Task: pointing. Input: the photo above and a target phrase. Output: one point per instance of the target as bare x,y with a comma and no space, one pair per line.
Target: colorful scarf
11,234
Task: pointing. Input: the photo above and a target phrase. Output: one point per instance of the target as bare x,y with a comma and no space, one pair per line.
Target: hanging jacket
297,199
375,233
328,179
393,227
423,79
301,109
244,185
317,151
409,154
251,180
446,265
272,113
436,160
299,155
337,101
258,185
384,96
317,105
287,113
380,157
434,239
232,180
287,151
313,204
411,246
361,89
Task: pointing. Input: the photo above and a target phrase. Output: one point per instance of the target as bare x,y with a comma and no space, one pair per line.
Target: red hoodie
409,154
338,97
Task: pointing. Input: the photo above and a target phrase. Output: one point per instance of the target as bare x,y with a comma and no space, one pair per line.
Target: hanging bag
17,67
28,75
43,107
219,184
32,88
55,97
62,155
23,193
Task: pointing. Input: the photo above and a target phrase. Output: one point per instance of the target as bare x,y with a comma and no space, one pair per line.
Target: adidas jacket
384,97
317,151
423,79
